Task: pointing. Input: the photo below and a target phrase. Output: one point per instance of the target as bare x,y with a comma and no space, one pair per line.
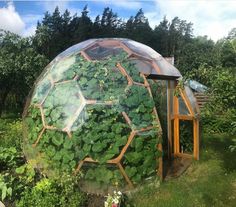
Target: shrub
53,192
10,133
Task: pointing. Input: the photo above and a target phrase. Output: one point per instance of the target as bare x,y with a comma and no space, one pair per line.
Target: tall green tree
20,64
81,27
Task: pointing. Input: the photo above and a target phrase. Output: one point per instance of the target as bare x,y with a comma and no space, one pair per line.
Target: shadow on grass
220,143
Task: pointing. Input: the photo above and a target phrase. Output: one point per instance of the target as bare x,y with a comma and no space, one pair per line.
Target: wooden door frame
174,145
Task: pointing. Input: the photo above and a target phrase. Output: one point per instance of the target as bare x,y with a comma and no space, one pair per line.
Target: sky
214,18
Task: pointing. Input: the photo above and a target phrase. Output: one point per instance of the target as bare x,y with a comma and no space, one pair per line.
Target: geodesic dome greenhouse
107,108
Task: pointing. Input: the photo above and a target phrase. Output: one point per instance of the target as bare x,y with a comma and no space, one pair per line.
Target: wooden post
196,139
169,131
176,125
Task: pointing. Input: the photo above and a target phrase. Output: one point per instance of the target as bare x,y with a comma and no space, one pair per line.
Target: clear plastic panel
142,66
101,81
63,104
183,110
64,69
100,52
159,92
43,87
196,86
132,70
138,105
75,49
166,68
141,49
192,99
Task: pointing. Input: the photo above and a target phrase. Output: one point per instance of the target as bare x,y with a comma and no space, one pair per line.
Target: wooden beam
196,139
187,102
182,117
169,131
176,125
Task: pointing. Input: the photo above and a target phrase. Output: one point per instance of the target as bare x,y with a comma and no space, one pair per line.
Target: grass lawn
208,182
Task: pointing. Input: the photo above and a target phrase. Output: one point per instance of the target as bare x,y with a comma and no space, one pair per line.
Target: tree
81,27
20,64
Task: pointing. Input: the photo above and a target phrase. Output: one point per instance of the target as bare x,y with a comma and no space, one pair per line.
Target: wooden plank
184,155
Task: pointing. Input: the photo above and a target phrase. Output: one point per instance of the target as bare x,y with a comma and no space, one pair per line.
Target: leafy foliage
100,131
53,192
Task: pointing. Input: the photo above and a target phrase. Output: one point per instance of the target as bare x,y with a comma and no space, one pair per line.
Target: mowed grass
208,182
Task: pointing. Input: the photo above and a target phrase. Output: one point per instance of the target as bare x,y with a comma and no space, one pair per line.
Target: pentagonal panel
64,69
63,105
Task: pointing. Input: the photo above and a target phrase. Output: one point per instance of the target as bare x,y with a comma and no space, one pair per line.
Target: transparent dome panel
99,52
63,104
142,66
41,90
32,125
140,160
103,134
101,81
141,49
166,68
102,179
138,104
130,68
64,69
75,49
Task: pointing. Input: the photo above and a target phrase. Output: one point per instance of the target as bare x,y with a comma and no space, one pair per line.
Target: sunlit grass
208,182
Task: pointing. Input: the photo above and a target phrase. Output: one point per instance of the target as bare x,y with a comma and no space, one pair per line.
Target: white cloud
213,18
13,22
10,19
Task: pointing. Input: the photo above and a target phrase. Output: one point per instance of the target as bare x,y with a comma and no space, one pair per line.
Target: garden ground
211,181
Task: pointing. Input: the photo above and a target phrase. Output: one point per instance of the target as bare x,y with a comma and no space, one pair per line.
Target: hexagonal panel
103,134
64,69
138,104
101,51
101,81
63,104
41,90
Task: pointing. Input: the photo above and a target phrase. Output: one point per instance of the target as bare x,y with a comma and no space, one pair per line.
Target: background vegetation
199,58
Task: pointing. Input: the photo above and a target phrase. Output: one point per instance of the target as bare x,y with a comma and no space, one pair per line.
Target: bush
10,133
53,192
